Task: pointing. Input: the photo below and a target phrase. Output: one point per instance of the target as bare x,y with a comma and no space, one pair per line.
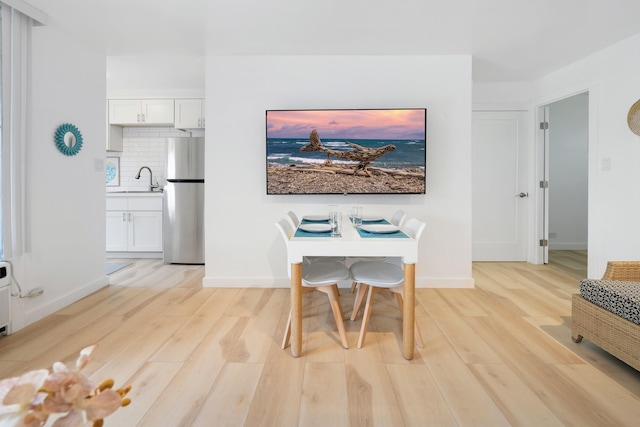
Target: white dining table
351,244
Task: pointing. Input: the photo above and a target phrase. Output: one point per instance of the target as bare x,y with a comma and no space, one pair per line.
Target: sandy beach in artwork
340,180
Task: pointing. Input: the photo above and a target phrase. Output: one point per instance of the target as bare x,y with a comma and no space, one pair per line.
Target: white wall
65,230
155,76
611,77
502,96
243,247
568,173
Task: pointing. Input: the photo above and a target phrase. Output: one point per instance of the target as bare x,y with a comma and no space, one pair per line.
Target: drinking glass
356,216
335,220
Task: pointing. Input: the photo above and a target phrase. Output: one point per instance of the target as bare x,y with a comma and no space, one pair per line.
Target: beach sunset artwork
366,151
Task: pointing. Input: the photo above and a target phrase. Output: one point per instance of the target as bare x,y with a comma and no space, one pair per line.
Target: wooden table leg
296,309
409,310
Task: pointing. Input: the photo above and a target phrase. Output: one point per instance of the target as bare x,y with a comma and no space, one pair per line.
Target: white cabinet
134,223
114,138
189,113
141,112
113,134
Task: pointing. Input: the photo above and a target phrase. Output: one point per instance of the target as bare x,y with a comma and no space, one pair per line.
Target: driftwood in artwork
339,179
331,169
364,156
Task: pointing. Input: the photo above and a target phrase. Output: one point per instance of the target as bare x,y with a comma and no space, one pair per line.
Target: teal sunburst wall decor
68,139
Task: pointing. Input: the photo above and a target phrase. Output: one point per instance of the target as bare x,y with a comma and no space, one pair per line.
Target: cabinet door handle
124,217
138,117
143,118
129,216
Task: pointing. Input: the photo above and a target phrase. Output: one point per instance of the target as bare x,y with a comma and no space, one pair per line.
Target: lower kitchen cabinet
134,224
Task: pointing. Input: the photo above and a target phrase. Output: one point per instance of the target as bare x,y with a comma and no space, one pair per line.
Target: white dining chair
398,217
321,276
375,276
293,218
295,222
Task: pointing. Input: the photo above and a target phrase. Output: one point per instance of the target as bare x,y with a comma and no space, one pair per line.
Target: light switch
98,165
606,164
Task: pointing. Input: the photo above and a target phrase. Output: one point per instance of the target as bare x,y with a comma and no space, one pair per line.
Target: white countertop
134,193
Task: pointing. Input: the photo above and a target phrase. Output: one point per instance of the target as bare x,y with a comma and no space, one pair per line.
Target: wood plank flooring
496,355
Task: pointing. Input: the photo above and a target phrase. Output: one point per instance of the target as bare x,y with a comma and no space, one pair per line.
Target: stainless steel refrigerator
183,214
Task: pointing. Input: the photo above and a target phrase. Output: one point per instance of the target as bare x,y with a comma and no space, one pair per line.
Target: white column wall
65,202
243,247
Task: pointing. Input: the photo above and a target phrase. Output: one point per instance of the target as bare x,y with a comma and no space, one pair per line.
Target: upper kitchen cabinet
189,113
113,133
146,112
114,138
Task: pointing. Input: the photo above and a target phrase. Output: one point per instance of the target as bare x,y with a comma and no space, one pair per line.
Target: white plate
372,218
316,218
315,228
379,228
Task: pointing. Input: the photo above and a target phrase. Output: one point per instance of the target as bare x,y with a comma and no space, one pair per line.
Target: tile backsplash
144,146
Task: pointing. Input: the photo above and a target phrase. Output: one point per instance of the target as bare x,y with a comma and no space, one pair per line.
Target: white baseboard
150,255
59,303
283,282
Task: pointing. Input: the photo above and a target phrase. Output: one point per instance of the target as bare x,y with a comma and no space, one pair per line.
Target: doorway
565,204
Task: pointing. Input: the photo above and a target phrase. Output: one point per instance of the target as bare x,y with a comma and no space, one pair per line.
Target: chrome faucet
152,186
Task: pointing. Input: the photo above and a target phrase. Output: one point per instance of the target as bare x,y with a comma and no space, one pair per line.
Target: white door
500,191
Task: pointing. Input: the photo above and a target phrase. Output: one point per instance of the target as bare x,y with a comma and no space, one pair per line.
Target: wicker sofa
597,322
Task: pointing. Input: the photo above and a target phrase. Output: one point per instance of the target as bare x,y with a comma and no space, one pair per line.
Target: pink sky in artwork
354,124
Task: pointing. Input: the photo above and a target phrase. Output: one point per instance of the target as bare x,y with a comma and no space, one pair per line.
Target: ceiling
509,40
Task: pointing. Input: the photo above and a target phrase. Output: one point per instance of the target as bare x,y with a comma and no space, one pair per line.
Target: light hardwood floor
496,355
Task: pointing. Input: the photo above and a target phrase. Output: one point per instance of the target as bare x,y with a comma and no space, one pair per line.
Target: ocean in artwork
409,153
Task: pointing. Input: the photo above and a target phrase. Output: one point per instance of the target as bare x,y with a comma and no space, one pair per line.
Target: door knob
522,195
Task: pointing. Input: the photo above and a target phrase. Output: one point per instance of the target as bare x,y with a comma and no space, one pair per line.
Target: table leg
409,310
296,309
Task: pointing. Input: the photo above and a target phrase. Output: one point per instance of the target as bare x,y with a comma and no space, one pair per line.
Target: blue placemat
366,235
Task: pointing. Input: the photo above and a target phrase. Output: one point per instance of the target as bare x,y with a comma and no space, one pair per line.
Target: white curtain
16,75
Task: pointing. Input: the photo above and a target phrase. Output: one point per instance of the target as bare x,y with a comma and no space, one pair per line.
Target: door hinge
544,184
544,242
544,125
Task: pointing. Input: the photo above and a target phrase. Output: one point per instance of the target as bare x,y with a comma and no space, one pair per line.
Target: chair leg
353,286
367,313
287,333
357,303
418,336
337,314
334,300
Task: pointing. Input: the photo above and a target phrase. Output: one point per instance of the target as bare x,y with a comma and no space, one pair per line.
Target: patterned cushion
619,297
